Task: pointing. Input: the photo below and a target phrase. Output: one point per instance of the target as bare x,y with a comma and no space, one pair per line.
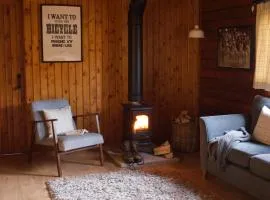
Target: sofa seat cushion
70,142
260,165
241,153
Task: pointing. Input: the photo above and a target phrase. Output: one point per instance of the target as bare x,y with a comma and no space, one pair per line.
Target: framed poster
61,33
235,47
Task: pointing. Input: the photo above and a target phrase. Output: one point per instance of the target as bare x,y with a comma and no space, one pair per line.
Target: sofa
248,163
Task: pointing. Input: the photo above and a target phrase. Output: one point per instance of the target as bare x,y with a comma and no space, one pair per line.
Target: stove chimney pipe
135,50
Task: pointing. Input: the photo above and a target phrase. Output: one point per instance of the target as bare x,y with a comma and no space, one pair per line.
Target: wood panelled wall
224,90
170,61
12,128
99,83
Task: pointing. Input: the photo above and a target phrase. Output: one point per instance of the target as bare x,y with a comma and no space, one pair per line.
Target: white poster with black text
61,33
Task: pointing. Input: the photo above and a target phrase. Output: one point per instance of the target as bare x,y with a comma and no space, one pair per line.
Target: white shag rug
122,185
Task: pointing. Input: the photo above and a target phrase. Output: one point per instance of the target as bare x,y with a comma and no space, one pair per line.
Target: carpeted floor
121,185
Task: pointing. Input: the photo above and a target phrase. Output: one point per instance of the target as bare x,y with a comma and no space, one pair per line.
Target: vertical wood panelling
105,66
82,83
99,83
85,77
2,86
12,130
170,61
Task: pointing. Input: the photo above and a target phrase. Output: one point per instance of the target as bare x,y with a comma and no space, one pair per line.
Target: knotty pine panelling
224,90
12,126
99,83
170,61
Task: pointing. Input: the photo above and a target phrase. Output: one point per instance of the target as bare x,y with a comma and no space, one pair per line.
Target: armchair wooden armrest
44,121
85,115
97,116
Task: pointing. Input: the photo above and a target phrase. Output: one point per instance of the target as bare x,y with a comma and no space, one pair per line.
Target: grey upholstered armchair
62,144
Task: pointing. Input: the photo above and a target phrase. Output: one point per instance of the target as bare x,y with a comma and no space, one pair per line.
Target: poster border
41,22
252,48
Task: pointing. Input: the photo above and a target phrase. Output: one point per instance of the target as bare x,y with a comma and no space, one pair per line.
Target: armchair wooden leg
204,174
101,155
59,168
30,156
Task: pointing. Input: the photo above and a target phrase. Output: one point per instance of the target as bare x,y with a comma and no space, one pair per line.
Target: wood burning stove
137,115
138,125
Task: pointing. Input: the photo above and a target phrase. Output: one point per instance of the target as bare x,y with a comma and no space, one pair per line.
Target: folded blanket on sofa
224,144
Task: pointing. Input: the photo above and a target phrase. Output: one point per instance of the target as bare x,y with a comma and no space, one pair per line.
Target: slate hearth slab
117,158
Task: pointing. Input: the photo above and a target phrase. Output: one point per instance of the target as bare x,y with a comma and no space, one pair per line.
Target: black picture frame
61,33
235,47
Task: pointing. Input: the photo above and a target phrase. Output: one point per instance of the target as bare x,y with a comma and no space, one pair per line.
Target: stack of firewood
164,150
183,118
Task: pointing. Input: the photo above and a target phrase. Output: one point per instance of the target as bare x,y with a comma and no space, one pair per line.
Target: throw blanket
75,132
219,147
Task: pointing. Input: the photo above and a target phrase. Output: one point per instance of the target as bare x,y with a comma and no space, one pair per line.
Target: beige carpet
121,185
117,158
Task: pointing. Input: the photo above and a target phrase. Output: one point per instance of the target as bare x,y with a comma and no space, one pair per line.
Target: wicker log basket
185,136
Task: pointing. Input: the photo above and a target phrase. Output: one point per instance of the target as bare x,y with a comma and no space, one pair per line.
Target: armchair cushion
37,107
64,121
71,142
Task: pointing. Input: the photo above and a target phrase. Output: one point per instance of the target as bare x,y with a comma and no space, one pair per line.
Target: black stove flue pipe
135,50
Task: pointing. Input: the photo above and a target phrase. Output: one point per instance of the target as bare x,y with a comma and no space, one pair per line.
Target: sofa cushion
261,131
241,153
257,105
260,165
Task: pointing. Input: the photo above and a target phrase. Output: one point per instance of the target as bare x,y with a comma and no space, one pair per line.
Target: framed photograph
235,47
61,33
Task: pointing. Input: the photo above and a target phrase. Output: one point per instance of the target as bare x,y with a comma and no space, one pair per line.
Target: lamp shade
196,33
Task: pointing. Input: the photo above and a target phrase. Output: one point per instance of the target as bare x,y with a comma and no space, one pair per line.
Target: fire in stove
138,125
141,123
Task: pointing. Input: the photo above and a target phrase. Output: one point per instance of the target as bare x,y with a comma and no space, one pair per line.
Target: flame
141,123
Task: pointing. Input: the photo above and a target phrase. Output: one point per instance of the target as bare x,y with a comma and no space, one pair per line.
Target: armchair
62,144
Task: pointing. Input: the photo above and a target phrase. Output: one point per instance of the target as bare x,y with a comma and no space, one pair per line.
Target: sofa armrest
213,126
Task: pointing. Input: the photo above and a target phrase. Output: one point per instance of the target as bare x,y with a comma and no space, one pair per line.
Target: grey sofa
248,162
